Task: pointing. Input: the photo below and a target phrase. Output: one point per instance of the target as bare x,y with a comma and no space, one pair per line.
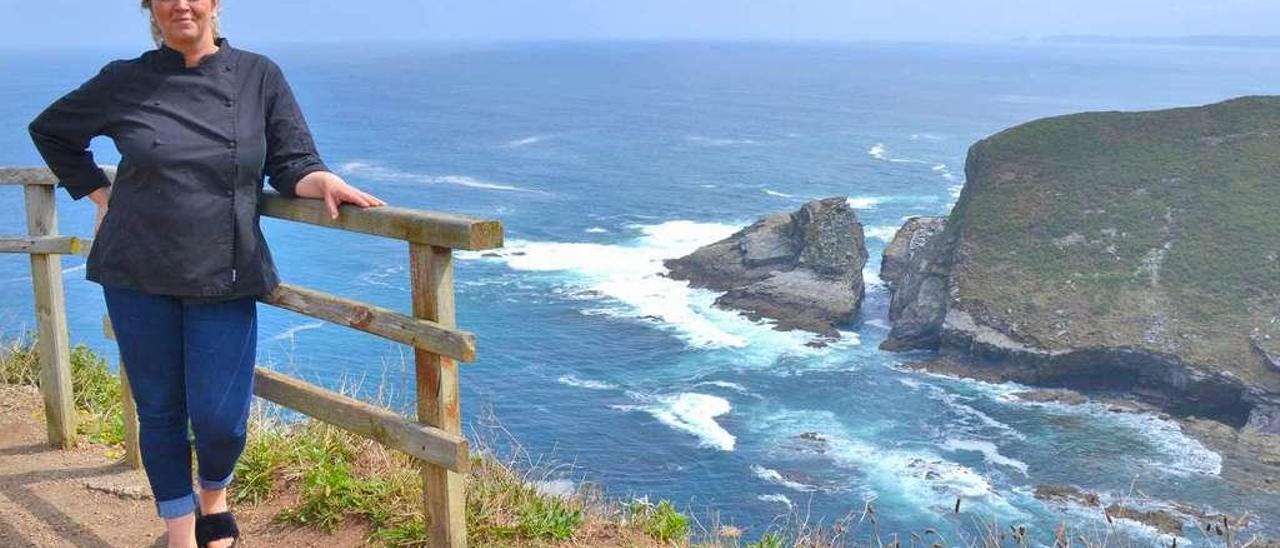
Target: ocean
602,159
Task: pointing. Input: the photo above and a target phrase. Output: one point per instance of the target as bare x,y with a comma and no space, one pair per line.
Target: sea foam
990,453
378,172
689,412
570,380
626,280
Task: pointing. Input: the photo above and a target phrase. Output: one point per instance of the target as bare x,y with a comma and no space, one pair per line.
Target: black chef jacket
194,146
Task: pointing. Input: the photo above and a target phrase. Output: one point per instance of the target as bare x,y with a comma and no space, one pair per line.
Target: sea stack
802,269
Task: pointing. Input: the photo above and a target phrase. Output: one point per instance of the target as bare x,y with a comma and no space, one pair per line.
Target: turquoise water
603,159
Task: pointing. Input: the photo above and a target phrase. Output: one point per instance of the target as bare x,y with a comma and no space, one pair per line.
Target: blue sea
603,159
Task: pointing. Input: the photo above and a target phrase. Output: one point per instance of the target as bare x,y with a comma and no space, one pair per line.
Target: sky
54,23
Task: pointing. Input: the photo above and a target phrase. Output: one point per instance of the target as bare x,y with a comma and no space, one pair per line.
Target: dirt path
81,498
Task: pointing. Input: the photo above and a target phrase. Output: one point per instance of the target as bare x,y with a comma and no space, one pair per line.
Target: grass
330,479
1102,221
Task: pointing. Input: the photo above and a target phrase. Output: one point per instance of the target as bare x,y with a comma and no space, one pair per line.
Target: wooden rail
435,438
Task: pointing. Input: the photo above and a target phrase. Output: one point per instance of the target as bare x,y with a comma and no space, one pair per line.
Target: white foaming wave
990,453
955,190
628,279
923,477
1188,456
596,230
773,476
871,278
882,233
726,384
76,268
290,332
863,202
878,324
571,380
379,276
1154,537
689,412
879,152
516,143
776,497
713,142
778,194
944,171
382,173
909,382
969,414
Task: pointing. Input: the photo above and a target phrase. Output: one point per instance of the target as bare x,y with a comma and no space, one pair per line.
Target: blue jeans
186,361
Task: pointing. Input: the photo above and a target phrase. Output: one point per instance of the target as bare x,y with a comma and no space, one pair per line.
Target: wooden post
51,321
132,450
431,274
128,409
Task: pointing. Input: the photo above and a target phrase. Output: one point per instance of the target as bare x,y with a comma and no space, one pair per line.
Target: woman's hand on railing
334,191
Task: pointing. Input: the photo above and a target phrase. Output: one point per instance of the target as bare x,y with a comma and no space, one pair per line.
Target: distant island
1260,41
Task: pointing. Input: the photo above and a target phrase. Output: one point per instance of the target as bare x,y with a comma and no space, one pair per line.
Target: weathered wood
129,410
39,175
60,245
51,321
27,176
431,275
425,227
446,450
418,333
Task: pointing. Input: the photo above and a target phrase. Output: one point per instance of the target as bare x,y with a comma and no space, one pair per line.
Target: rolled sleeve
62,132
291,151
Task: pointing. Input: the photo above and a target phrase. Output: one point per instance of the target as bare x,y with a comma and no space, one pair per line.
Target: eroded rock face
1124,251
802,269
906,245
920,291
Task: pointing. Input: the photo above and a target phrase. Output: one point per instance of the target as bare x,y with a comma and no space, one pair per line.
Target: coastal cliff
1136,252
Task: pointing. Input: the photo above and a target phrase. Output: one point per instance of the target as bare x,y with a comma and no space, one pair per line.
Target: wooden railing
435,438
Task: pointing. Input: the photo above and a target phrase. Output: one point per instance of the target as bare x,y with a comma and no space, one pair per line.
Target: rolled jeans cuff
220,484
176,508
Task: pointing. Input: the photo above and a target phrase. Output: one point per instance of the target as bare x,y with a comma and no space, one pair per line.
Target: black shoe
219,526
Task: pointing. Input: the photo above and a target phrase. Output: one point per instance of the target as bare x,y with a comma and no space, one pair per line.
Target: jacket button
228,102
230,192
231,144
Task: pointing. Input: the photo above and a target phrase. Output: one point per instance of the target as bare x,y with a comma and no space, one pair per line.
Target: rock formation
1129,251
802,268
906,246
917,276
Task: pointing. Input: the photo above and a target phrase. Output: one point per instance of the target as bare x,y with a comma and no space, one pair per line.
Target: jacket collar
171,59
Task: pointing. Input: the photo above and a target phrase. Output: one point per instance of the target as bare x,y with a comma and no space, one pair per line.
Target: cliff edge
1129,251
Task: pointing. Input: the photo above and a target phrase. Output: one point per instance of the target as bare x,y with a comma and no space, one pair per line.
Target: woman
177,245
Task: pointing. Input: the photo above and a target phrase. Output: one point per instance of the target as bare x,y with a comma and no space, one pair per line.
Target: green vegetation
331,479
1153,229
662,521
97,391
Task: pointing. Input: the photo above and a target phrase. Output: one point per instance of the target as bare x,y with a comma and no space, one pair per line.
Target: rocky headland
1135,253
802,269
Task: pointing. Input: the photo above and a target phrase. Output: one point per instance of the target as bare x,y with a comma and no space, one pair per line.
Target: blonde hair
158,36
